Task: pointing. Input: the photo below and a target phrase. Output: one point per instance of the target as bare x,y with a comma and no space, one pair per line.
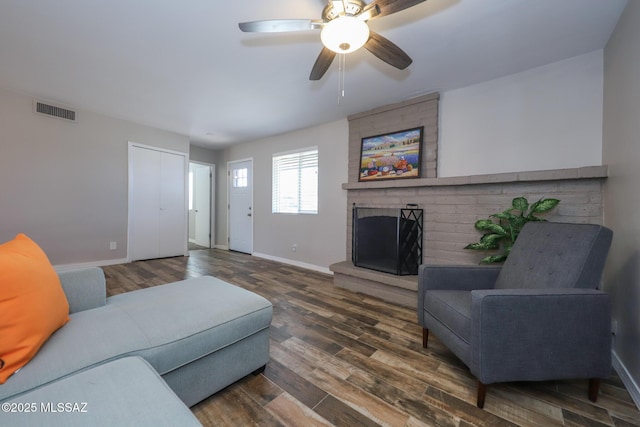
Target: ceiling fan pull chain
342,59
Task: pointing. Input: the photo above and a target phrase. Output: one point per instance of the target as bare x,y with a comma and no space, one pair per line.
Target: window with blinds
295,182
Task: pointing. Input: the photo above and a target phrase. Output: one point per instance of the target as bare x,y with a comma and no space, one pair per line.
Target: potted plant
501,229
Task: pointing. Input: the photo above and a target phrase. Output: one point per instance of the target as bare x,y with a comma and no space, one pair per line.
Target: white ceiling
184,66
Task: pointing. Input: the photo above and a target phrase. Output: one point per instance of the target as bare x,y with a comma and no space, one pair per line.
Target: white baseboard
65,267
627,379
313,267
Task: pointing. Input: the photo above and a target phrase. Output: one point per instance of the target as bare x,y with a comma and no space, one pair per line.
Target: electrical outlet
294,247
113,246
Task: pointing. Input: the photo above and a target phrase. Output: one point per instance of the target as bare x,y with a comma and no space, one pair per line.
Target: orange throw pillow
32,303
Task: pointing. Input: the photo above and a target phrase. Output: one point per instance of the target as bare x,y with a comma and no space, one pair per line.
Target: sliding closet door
157,203
173,210
144,203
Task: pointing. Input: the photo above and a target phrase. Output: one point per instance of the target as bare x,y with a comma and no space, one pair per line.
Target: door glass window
240,178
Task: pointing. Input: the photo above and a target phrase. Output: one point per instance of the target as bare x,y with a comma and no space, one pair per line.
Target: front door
241,206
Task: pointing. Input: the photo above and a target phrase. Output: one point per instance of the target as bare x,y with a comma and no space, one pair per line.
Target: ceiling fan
344,29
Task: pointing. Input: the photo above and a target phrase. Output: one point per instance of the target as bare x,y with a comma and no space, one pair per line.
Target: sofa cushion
184,321
32,303
124,392
91,337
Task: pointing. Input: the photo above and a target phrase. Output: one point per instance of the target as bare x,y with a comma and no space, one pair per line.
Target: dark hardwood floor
345,359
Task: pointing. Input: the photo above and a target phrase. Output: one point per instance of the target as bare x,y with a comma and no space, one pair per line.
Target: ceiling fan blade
368,13
280,25
322,64
387,7
388,51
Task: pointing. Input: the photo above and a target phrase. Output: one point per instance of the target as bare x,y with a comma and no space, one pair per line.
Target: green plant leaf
490,226
544,205
497,229
493,259
520,203
517,222
534,205
490,237
503,215
482,224
479,246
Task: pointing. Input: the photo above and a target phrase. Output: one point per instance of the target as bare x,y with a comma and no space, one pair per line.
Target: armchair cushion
452,278
452,309
444,301
557,256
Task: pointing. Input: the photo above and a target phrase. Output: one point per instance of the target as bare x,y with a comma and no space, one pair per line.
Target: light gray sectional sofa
187,339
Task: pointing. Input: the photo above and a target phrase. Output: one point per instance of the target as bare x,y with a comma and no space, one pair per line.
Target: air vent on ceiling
48,109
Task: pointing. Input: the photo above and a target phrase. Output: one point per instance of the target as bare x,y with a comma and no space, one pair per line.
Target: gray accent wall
621,152
65,184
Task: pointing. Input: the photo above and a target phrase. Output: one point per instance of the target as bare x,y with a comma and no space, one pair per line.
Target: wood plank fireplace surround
451,205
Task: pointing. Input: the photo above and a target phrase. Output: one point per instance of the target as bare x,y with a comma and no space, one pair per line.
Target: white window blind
295,182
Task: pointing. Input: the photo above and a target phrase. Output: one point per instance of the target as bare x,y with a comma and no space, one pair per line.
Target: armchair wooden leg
482,392
425,337
594,387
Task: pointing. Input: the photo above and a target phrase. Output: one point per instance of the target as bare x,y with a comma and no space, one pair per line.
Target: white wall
202,155
548,117
621,152
319,238
65,184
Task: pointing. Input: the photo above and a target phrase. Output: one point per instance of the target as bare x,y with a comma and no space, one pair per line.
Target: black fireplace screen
387,239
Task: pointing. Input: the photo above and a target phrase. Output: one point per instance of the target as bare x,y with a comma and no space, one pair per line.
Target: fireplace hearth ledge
401,290
585,172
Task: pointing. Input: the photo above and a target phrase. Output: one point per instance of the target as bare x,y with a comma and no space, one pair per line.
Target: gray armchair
538,317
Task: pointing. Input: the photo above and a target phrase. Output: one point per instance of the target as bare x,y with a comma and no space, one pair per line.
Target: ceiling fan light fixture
344,34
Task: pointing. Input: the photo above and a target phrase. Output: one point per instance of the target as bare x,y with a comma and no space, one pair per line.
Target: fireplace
387,239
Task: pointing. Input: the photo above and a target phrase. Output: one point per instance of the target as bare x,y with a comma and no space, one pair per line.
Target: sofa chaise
188,339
